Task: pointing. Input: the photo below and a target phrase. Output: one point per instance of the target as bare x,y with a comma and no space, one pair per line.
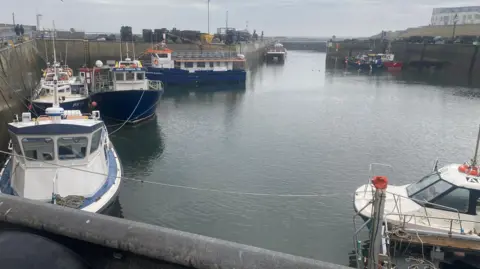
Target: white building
463,15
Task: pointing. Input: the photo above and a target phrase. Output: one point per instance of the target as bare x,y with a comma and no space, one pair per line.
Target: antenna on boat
55,111
126,46
474,160
133,47
121,48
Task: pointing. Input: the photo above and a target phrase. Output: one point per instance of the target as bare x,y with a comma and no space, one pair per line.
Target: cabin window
119,76
201,64
433,191
457,199
140,76
38,149
424,182
188,65
97,136
211,64
162,55
130,76
178,65
70,148
15,144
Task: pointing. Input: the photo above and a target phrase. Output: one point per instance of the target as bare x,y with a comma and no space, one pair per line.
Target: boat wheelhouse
197,68
277,53
122,92
63,157
72,93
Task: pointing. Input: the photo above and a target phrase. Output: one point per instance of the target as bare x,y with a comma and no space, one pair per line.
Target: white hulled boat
446,201
62,157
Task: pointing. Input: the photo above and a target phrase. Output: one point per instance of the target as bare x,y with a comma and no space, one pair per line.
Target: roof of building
444,10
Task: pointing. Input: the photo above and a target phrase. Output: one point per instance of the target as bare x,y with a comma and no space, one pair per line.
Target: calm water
296,129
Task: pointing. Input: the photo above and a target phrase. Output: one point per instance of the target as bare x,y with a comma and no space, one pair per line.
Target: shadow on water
460,84
172,91
138,145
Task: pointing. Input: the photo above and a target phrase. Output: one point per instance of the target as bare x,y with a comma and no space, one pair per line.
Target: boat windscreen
422,183
428,188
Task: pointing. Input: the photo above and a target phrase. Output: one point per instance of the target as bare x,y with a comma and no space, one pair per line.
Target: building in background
462,15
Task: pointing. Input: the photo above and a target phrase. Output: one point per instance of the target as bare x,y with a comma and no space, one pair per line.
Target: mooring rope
306,195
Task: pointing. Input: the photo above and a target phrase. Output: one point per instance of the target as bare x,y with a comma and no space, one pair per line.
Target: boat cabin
452,187
44,145
128,75
68,87
196,61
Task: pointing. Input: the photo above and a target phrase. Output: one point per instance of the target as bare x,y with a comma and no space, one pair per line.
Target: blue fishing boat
122,92
196,68
365,62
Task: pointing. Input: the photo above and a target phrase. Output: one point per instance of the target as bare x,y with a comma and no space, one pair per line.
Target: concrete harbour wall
19,74
139,245
454,59
80,52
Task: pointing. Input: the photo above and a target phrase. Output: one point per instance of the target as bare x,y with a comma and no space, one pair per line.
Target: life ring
469,170
155,61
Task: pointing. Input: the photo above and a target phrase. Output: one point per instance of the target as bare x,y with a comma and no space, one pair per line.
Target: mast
55,77
126,45
474,160
133,47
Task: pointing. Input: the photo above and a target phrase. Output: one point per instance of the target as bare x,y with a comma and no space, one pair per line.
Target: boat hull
365,66
170,76
275,57
132,106
392,66
81,104
103,201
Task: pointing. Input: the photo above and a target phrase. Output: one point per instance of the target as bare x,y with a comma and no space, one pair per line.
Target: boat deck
457,244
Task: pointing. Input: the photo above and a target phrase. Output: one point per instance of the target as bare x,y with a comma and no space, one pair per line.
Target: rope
311,195
129,117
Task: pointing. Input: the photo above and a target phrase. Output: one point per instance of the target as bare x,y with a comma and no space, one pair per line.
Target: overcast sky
276,17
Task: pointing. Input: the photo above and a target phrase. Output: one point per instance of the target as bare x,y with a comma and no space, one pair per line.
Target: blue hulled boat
196,68
72,93
365,62
122,92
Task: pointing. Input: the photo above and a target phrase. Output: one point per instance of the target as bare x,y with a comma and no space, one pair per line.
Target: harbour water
296,129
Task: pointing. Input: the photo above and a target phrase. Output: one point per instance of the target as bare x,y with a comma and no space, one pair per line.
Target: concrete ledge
151,241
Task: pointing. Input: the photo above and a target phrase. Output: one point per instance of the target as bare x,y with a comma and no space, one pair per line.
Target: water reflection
442,78
138,146
173,91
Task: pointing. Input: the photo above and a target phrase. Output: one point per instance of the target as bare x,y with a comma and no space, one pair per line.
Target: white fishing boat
446,201
277,53
72,93
64,157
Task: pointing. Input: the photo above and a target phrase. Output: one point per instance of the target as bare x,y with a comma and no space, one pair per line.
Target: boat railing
59,83
155,85
213,55
403,223
397,211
